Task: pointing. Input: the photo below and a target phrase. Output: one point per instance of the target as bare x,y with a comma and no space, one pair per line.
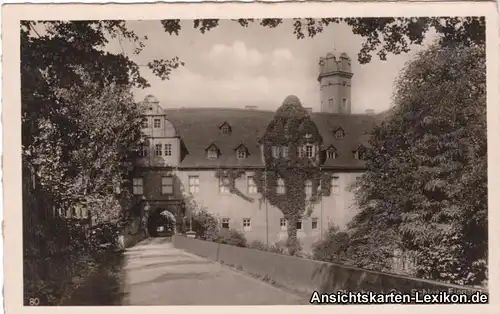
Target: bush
205,225
232,237
278,247
333,248
258,245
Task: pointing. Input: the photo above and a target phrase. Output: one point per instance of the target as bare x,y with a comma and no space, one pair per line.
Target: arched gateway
163,219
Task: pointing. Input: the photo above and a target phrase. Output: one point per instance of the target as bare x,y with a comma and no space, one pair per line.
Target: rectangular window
276,151
299,225
314,223
246,224
283,224
167,185
301,151
330,103
308,189
335,185
138,186
330,154
252,187
157,123
194,184
309,151
223,185
158,150
168,149
280,186
225,223
145,123
284,152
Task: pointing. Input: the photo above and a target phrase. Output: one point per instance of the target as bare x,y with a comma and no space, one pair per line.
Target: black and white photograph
254,161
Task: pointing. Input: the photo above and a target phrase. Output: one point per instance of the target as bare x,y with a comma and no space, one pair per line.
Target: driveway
156,273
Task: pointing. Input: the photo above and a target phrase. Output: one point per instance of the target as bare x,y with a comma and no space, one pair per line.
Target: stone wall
306,275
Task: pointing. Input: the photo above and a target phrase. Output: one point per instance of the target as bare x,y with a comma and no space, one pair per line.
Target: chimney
251,107
370,112
308,109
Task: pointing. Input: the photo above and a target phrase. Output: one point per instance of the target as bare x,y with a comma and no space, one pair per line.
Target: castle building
187,148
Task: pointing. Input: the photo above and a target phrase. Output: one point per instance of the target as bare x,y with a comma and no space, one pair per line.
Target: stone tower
335,83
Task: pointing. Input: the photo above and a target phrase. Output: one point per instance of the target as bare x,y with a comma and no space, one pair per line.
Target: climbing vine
288,167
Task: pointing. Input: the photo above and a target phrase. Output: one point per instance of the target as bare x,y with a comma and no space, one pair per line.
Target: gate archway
162,223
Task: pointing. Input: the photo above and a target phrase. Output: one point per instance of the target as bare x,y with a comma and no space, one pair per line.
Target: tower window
157,123
344,83
330,103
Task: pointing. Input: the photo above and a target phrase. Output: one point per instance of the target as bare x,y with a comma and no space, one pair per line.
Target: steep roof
199,127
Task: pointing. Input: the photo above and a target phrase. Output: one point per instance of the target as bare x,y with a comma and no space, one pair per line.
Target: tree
383,35
425,189
84,155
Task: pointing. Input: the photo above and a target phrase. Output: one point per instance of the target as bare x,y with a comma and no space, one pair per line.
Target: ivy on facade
288,162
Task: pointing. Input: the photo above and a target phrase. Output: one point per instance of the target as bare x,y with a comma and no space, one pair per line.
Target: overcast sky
232,66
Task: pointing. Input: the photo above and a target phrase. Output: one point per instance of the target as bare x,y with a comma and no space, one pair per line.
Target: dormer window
225,128
212,152
241,152
331,153
339,133
360,153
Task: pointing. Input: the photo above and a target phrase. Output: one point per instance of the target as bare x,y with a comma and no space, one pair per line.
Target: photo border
13,13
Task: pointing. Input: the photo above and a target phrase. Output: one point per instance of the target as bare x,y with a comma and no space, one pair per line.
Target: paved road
155,273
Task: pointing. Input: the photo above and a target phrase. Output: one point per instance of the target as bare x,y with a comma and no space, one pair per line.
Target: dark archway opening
161,223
